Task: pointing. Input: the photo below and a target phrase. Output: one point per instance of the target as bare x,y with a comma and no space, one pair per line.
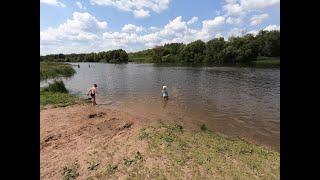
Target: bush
56,86
53,70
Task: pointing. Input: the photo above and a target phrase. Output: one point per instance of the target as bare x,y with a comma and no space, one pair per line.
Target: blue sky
83,26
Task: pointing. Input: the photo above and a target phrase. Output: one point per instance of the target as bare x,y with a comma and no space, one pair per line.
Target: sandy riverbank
85,142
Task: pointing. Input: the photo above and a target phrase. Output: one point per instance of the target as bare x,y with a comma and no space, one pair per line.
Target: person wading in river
165,93
92,93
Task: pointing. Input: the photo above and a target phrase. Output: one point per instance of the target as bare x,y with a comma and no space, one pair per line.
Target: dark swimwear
92,95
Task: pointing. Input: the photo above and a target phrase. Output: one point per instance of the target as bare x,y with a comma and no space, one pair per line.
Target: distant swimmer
92,93
78,66
165,94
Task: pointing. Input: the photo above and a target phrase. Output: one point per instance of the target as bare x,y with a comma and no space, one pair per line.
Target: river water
235,101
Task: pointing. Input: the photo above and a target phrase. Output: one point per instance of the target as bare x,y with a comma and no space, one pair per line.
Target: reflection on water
236,101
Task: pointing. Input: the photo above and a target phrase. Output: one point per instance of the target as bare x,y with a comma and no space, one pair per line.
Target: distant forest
217,51
114,56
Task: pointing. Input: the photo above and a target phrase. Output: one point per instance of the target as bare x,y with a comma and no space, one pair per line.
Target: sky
84,26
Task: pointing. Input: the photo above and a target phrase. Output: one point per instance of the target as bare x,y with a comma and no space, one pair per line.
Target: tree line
236,50
114,56
217,51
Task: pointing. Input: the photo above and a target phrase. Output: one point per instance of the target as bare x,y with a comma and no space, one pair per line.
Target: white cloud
53,3
258,19
176,25
140,8
236,32
83,27
272,28
217,21
192,20
153,29
141,13
231,20
218,35
131,28
241,7
253,32
83,32
175,30
212,24
80,6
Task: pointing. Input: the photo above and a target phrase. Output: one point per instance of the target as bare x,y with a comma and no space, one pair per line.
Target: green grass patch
70,172
266,62
50,70
146,59
59,99
216,155
204,127
57,94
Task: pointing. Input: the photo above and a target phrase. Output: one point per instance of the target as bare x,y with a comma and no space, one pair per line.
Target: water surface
236,101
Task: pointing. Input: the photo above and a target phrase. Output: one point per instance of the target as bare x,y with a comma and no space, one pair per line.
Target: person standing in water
165,94
92,93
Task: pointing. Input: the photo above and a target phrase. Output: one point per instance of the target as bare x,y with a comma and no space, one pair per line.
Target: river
235,101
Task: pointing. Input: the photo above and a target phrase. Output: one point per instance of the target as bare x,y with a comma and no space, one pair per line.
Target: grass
137,158
93,165
57,94
140,59
54,70
206,154
266,62
70,172
111,169
204,127
58,99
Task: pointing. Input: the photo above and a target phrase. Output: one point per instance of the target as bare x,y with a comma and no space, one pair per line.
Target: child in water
165,93
92,93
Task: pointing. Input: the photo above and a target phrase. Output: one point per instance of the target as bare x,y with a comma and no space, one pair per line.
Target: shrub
56,86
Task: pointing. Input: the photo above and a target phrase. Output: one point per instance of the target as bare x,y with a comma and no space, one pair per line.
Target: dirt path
91,138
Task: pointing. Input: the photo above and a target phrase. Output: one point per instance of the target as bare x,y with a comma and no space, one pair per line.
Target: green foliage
204,127
54,70
141,56
269,43
60,99
214,51
193,52
114,56
237,50
56,86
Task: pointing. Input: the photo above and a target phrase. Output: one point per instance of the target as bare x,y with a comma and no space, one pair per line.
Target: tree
269,43
157,54
214,51
193,52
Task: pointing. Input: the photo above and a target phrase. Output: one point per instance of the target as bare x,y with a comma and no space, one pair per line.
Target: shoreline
97,142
